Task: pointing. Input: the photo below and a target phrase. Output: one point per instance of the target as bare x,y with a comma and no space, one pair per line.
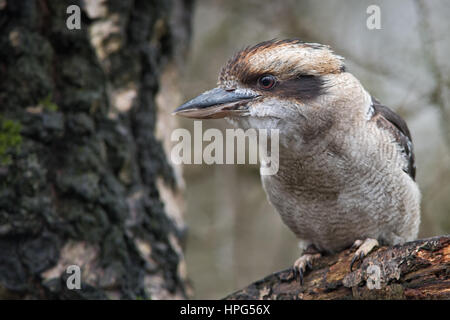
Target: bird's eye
266,82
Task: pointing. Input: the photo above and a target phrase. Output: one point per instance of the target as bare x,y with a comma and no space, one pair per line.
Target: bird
346,176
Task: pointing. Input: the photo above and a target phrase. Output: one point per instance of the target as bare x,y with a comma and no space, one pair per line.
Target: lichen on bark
10,139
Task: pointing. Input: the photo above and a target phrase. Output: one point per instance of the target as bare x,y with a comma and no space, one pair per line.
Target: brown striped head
281,69
284,59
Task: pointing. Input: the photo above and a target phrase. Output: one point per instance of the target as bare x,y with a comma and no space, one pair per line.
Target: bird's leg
364,248
305,261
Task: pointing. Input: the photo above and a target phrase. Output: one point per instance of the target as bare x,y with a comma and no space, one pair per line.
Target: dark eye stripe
303,87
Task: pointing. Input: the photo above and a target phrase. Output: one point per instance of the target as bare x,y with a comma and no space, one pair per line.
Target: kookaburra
346,164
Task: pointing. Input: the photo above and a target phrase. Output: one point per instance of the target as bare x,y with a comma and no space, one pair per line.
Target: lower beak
216,103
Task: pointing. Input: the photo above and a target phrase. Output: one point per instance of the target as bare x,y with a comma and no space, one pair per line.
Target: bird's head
275,84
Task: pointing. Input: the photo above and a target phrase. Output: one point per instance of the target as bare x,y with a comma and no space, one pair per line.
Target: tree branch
414,270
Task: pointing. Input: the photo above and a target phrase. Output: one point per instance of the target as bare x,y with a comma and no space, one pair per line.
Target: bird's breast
331,202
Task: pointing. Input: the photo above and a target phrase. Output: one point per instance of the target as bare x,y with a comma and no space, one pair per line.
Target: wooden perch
414,270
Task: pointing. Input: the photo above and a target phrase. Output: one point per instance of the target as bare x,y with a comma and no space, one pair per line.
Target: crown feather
283,58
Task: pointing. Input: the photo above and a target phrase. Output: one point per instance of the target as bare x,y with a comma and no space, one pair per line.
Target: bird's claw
356,244
355,258
298,273
364,248
300,276
303,263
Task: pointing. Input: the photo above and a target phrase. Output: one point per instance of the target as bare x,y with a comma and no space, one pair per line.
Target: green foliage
10,139
47,103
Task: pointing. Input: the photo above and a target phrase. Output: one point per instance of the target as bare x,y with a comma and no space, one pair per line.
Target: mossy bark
82,187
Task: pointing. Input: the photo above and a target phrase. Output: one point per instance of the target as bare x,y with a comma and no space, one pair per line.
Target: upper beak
215,103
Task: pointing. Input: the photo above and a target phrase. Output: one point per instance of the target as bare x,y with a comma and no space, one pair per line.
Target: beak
217,103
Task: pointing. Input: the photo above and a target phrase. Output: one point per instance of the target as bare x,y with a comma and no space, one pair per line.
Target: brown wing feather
389,120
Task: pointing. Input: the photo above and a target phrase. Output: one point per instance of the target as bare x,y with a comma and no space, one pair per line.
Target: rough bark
81,169
415,270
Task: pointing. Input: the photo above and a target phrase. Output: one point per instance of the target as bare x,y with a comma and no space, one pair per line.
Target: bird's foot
302,263
364,248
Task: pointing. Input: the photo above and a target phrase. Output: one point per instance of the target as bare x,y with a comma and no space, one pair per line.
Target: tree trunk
415,270
83,179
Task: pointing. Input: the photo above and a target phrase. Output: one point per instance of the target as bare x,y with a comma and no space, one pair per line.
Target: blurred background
235,236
